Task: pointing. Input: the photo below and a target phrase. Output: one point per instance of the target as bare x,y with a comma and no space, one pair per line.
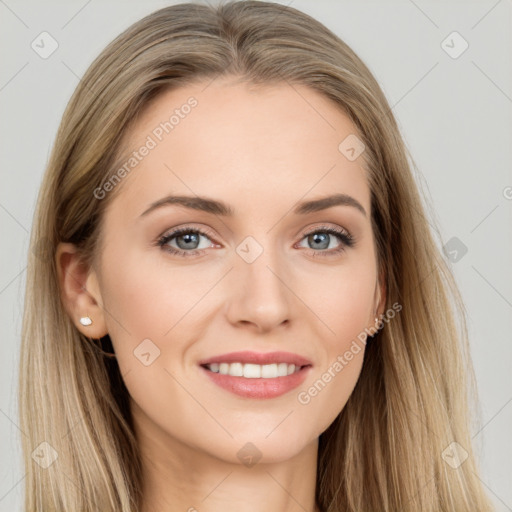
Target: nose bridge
259,262
261,296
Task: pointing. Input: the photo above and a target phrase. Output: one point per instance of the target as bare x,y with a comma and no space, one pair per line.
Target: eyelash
346,239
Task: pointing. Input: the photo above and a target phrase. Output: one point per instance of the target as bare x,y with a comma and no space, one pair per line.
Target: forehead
273,144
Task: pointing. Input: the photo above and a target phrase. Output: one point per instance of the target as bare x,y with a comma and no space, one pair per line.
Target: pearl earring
85,320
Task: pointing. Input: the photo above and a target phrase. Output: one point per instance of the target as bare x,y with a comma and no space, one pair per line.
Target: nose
260,295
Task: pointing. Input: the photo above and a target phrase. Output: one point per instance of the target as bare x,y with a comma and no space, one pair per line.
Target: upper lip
258,358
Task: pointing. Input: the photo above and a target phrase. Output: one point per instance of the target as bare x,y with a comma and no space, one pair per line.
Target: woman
234,298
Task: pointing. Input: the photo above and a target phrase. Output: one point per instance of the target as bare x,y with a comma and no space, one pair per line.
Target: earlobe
80,291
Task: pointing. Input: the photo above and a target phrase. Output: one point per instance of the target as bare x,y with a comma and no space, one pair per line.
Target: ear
380,296
80,291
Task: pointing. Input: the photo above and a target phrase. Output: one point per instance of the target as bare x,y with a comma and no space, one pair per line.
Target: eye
186,240
322,237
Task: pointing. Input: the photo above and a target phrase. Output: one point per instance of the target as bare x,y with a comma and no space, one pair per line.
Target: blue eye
188,239
321,237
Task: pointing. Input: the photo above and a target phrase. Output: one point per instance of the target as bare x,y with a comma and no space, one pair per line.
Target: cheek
147,298
344,302
341,299
151,308
327,393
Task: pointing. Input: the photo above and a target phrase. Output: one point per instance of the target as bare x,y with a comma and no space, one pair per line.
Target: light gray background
455,116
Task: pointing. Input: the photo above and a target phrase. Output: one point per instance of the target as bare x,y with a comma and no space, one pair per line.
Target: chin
279,446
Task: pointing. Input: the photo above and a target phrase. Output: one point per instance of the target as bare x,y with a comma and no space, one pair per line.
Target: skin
191,308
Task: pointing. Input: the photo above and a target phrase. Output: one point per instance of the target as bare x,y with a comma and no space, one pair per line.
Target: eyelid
203,231
326,227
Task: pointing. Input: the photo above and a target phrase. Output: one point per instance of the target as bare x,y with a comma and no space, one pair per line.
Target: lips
258,388
254,387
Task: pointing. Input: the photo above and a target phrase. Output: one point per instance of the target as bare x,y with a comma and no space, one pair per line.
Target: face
261,275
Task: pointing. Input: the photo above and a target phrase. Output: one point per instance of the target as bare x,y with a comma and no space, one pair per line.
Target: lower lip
259,388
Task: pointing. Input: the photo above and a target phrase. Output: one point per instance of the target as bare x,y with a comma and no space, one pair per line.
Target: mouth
256,381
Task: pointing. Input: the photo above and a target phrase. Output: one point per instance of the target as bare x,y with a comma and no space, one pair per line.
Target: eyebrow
219,208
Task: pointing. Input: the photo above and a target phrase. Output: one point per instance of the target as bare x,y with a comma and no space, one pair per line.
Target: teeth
251,371
236,369
254,371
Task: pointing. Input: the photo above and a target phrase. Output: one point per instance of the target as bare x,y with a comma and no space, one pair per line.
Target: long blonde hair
384,451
